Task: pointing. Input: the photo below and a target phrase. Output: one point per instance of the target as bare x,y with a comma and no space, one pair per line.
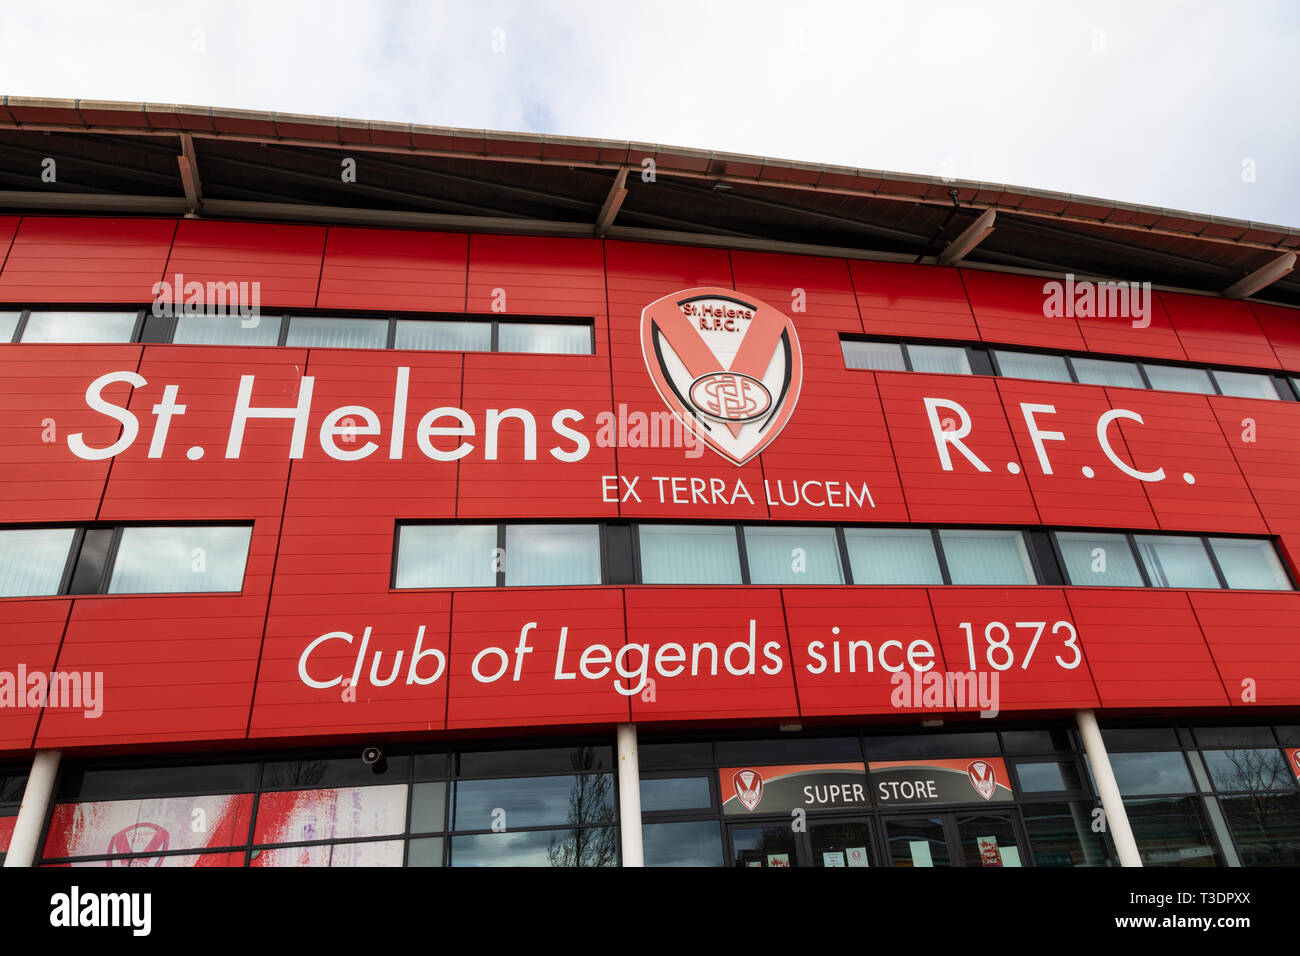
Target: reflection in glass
534,801
552,554
939,359
337,333
917,842
1062,834
424,852
92,327
771,846
1248,563
675,793
988,840
1266,828
883,356
1249,769
443,335
892,556
692,843
32,560
1174,561
549,337
586,847
691,554
1173,378
1046,776
1139,773
8,325
1101,560
180,559
227,330
447,556
1108,372
840,844
1245,384
1046,368
1172,832
987,557
786,555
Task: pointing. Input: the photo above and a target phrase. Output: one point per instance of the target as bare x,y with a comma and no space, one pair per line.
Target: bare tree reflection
592,841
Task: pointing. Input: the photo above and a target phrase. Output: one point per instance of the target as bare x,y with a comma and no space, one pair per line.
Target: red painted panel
1057,673
8,227
1281,325
30,631
1009,310
1152,337
543,385
1252,636
1145,648
212,486
825,307
925,302
388,694
1218,331
964,494
42,395
1180,434
286,260
399,269
498,619
1066,495
638,274
1265,440
892,622
86,260
537,276
659,617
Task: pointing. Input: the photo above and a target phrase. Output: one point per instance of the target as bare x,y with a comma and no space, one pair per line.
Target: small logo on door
749,787
982,778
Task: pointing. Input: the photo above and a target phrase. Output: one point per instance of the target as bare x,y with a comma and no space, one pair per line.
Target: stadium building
377,494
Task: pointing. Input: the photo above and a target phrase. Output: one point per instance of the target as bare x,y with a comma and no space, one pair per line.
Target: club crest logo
749,787
728,365
982,778
140,838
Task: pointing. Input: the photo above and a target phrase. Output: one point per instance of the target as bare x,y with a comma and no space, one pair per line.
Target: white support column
1108,789
629,796
35,807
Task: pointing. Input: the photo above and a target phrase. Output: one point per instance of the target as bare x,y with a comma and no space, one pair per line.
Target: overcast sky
1192,105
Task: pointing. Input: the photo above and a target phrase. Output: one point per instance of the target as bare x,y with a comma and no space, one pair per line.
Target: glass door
918,841
841,843
773,845
988,839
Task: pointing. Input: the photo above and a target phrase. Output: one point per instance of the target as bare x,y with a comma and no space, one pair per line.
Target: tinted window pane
1245,384
1176,562
1106,372
8,325
675,756
1249,769
1266,828
906,746
739,753
1099,559
675,793
1171,378
114,782
987,557
227,330
1048,368
442,335
447,556
595,846
1061,834
552,554
1139,738
695,843
1172,832
793,556
944,359
1046,776
79,327
544,337
320,772
338,333
1250,564
428,807
512,763
1213,738
892,556
535,801
698,554
886,356
180,559
32,560
426,852
1034,741
1139,773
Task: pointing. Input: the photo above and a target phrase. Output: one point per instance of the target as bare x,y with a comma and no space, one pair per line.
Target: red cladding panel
86,260
1282,327
1066,495
815,293
376,639
42,402
286,260
482,620
1123,332
1145,648
924,302
397,269
877,629
1218,331
1045,664
1009,310
1265,440
8,227
674,622
1252,636
1202,488
30,631
964,494
526,275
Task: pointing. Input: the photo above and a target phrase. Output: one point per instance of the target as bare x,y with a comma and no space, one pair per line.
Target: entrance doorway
982,838
840,841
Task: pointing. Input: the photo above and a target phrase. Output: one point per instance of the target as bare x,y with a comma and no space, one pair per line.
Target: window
9,325
892,556
689,554
161,560
1048,776
1101,560
685,843
32,560
1266,828
443,335
1061,834
447,556
1250,563
1143,773
551,337
987,557
1245,384
1107,372
552,554
92,327
227,330
1249,769
1173,378
1172,832
943,359
675,793
1174,561
882,356
783,555
1048,368
337,333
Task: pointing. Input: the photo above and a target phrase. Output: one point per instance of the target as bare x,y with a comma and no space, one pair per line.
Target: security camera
372,754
